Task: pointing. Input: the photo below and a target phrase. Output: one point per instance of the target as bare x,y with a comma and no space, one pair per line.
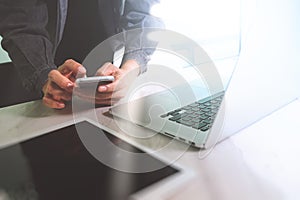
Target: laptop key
164,115
203,116
205,128
210,114
199,125
187,107
199,113
202,106
207,103
187,123
175,118
214,110
213,107
189,112
194,115
208,121
196,120
187,118
206,110
196,109
173,113
194,105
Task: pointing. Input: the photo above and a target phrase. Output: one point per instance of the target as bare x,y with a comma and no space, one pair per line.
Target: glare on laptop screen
215,25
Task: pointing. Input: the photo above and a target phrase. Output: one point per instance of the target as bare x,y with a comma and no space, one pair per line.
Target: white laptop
265,79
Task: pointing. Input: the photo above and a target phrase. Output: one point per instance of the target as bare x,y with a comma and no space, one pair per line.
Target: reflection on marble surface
272,152
260,162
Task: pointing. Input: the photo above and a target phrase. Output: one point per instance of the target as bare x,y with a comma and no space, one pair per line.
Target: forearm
22,25
131,66
32,59
137,15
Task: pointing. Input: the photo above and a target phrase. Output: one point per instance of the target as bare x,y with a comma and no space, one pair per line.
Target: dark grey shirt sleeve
137,14
25,38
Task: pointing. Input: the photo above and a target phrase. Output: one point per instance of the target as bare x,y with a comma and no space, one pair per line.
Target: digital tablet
58,166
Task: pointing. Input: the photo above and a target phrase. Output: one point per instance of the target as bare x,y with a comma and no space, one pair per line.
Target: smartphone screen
90,82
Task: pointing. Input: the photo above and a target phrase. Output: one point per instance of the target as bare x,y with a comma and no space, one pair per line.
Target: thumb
107,69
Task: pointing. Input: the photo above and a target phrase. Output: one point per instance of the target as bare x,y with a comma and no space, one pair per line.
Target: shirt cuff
38,79
140,57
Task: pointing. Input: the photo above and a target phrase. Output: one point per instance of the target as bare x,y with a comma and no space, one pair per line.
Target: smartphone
89,82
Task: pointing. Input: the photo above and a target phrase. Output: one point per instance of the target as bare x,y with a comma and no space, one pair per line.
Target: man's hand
59,86
113,92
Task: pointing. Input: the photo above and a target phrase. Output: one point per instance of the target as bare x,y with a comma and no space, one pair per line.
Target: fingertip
52,74
70,84
60,105
70,62
81,70
111,87
102,88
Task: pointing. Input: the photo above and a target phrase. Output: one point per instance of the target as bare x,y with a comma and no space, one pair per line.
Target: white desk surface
259,162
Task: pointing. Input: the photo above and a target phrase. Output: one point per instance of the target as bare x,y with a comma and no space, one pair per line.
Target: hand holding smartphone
91,82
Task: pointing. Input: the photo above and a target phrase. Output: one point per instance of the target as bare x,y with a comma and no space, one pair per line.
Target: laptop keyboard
198,115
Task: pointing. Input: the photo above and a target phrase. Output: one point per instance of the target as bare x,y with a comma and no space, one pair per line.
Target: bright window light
214,24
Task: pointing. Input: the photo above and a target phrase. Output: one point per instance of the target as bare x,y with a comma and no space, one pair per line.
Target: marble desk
259,162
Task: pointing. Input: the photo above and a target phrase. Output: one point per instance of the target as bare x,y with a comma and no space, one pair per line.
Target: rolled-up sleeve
137,15
25,38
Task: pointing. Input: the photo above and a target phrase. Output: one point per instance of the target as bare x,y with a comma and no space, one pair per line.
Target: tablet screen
58,166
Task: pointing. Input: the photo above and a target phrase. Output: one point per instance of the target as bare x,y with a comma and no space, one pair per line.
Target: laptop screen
57,166
214,25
